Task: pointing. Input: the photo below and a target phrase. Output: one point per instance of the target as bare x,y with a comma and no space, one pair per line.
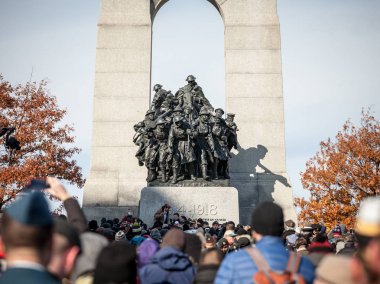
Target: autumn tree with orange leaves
45,141
342,173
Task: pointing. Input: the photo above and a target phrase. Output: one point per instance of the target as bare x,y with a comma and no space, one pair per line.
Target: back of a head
193,247
174,238
17,235
92,244
230,225
116,263
268,219
27,223
211,256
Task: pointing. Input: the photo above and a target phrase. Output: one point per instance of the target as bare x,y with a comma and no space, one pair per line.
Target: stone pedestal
108,212
208,203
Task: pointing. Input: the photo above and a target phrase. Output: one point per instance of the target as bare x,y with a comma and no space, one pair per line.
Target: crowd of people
37,247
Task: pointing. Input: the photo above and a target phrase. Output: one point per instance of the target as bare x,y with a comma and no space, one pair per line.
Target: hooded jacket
168,265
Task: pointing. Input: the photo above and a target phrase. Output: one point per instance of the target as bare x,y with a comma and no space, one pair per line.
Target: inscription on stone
211,204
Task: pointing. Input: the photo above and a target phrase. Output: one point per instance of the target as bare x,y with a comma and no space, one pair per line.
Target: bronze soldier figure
205,142
180,146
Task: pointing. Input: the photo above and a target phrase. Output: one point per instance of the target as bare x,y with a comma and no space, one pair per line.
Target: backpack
265,275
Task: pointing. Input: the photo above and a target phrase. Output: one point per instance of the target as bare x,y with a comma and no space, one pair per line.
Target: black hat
243,242
268,219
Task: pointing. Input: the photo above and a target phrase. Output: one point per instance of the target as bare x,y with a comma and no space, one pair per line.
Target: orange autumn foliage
342,173
44,139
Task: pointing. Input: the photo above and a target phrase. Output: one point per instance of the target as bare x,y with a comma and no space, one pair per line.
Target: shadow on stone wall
254,181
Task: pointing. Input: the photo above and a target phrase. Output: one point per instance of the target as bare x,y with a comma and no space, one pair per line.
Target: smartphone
37,184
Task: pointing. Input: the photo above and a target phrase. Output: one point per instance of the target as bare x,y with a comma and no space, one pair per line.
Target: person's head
244,242
301,243
157,87
367,229
160,123
223,245
337,232
150,114
183,219
211,256
230,236
66,248
27,230
205,224
230,117
174,238
191,80
193,247
215,225
267,220
203,115
91,245
230,225
290,225
93,225
219,113
166,208
176,217
116,264
210,241
120,236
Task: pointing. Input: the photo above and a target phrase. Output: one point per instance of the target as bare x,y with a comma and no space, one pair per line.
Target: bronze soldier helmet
177,119
190,78
160,121
219,109
149,111
157,87
204,112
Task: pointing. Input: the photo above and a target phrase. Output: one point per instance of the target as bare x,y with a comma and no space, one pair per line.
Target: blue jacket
239,267
168,265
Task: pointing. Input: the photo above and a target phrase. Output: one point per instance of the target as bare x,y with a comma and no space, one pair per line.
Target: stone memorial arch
253,91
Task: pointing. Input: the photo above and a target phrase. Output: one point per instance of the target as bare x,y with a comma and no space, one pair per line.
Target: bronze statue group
183,135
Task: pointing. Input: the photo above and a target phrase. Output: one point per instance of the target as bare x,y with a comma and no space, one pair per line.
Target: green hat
31,209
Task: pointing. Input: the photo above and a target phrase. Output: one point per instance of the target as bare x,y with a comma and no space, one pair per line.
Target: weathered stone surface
253,37
108,212
210,204
253,61
127,85
254,85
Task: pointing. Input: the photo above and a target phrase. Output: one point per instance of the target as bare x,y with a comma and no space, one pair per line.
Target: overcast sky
330,60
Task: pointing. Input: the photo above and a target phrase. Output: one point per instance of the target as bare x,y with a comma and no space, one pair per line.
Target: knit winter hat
268,219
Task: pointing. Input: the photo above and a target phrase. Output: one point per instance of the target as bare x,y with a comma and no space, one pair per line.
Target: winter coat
168,265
